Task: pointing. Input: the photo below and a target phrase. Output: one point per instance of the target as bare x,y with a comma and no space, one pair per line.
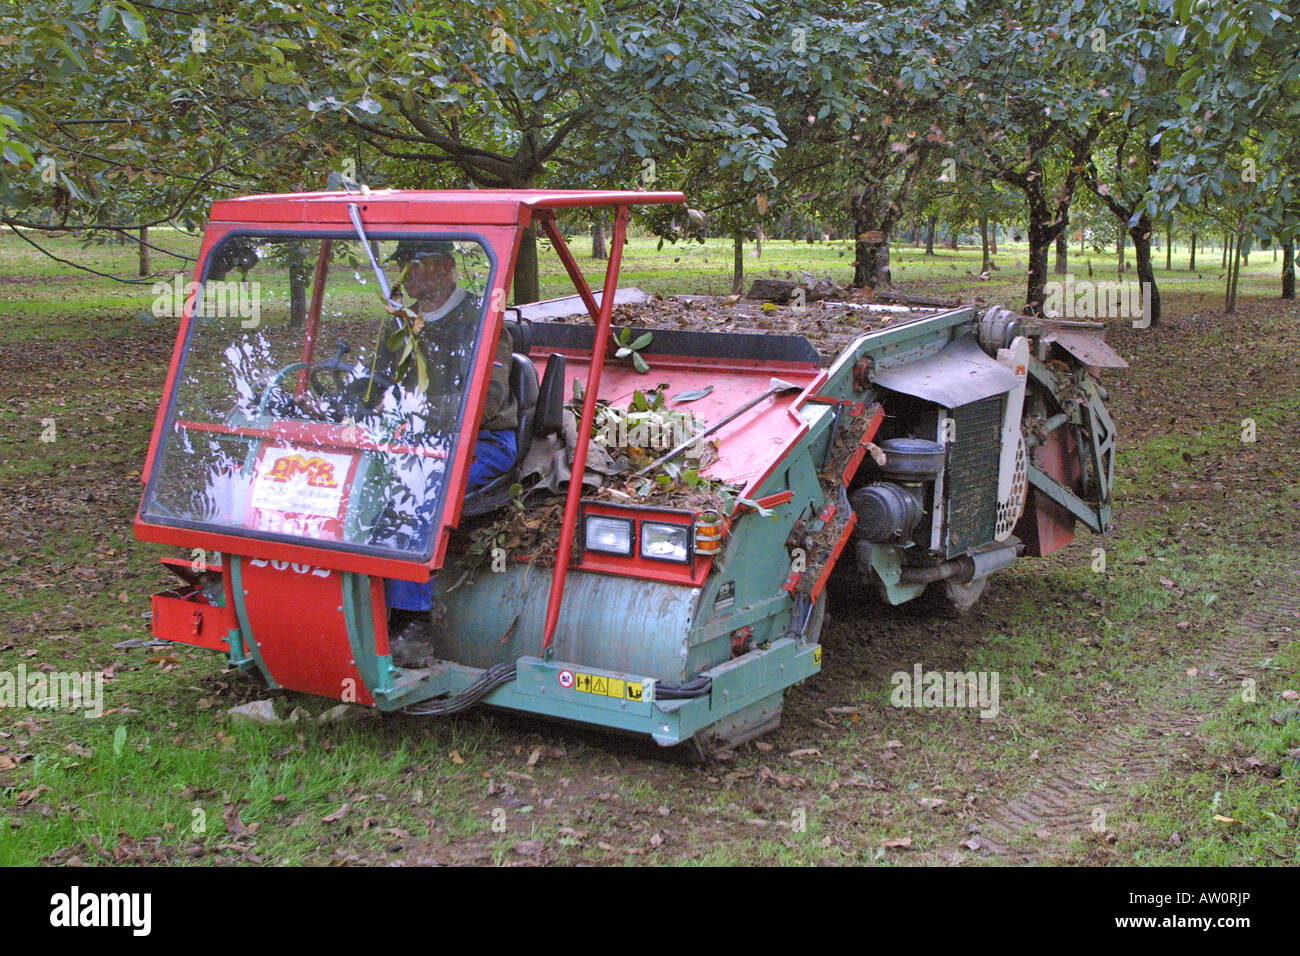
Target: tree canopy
117,115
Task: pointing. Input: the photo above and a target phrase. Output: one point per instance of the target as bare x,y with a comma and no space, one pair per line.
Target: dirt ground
846,778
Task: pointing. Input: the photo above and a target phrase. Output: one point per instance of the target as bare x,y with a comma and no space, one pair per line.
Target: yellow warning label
817,655
614,687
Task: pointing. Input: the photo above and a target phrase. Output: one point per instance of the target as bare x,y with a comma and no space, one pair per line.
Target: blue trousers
494,453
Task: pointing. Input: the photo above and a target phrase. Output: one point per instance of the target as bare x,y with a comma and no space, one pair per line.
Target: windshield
303,408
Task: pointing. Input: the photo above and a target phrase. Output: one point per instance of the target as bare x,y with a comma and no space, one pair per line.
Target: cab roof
460,207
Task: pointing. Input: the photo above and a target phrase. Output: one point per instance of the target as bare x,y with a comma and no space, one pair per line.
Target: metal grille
972,475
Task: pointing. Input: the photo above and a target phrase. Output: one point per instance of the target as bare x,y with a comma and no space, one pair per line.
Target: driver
429,277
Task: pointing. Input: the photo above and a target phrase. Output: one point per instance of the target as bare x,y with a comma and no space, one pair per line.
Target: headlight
610,535
665,542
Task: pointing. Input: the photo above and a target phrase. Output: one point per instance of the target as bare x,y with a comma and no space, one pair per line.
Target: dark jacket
448,341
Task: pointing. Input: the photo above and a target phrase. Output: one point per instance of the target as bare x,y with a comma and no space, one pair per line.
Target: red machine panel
295,612
1047,526
185,616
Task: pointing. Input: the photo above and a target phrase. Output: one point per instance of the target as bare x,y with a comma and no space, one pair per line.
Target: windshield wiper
414,351
354,213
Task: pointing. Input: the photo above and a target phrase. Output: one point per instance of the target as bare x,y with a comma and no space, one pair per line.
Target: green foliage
114,115
135,115
629,347
484,540
1233,139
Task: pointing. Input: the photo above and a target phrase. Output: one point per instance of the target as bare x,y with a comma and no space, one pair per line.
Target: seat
524,387
537,418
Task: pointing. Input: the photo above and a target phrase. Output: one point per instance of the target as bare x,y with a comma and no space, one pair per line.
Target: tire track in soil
1030,826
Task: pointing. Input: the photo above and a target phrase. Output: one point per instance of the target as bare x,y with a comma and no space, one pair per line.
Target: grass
1237,803
693,267
1077,649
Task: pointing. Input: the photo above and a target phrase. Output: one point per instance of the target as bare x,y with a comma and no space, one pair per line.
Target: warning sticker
566,679
817,655
614,687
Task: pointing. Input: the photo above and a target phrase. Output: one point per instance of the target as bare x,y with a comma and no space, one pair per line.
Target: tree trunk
598,249
144,251
1119,253
984,245
993,239
1234,269
1062,254
1141,235
298,276
1191,263
871,260
758,243
876,209
1041,237
1227,285
871,248
1169,245
738,263
952,239
929,235
1288,269
1049,214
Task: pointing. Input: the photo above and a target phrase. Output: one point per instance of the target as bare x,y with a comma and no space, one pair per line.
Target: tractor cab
313,404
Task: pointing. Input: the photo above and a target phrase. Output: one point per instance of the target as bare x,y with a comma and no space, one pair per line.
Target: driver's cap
409,250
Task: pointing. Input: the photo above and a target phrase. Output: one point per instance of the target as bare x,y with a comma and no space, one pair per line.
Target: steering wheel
321,388
344,393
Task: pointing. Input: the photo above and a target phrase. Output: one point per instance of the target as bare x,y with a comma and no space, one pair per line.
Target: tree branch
76,265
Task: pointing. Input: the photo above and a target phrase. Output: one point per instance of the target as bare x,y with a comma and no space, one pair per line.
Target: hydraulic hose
698,687
488,681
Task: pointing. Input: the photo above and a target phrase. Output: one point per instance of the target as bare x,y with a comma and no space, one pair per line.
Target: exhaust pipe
968,567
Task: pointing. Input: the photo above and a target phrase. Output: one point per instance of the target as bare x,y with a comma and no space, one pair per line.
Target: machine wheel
759,718
952,598
717,742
